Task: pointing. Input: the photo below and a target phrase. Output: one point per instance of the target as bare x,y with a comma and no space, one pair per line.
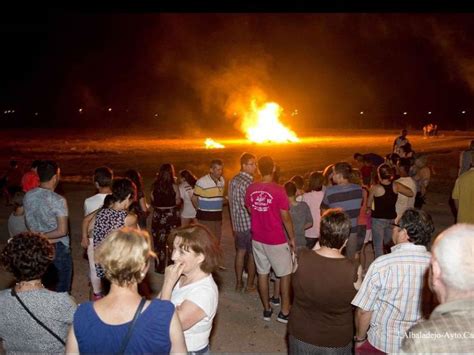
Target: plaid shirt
392,290
237,188
450,329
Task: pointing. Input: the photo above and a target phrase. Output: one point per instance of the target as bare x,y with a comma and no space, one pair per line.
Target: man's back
265,201
42,207
93,203
237,188
348,197
392,290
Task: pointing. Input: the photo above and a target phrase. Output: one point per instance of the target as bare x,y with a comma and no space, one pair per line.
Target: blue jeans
63,264
381,234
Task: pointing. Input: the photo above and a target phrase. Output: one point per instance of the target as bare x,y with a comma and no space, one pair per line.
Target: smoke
224,66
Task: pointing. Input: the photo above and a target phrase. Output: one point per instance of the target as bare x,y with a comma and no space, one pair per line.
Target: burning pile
262,124
212,144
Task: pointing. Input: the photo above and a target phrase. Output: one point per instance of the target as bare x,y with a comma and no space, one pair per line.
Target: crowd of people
308,236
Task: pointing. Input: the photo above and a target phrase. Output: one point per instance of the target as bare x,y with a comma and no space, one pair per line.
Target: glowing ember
212,144
262,124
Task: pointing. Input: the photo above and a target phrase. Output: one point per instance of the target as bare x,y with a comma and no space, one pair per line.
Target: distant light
405,113
5,112
109,109
463,112
80,110
429,112
13,111
361,112
156,115
36,113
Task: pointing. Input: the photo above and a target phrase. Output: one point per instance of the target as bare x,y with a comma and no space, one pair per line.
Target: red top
29,181
266,200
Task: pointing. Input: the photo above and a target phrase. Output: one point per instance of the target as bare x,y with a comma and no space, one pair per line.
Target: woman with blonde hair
123,321
189,283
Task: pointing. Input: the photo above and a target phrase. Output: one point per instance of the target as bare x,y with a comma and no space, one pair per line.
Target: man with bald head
450,328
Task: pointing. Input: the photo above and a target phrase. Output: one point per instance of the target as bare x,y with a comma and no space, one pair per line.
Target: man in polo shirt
269,209
208,198
451,324
391,299
347,196
240,218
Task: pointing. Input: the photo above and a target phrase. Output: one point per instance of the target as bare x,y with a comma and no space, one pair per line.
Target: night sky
182,71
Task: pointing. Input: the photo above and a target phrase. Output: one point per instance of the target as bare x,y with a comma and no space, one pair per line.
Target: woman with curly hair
27,256
165,199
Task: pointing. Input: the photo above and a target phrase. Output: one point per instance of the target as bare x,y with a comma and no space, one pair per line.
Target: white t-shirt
186,192
93,203
314,199
205,295
404,202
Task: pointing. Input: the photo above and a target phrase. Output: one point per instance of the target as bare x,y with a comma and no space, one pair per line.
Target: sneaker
282,318
267,315
274,301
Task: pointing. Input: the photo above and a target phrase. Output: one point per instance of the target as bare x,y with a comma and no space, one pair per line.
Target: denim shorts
243,240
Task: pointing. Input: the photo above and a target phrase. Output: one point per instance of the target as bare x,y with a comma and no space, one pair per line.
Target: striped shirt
237,189
392,290
210,196
348,197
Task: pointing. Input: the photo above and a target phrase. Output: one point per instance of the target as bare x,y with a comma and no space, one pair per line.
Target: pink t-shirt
265,200
314,199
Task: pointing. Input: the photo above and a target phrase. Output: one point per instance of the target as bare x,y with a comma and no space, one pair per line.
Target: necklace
28,285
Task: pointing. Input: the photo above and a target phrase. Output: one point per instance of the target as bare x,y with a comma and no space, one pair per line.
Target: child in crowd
300,214
299,182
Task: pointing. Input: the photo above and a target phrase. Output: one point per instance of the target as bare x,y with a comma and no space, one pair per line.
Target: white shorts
268,256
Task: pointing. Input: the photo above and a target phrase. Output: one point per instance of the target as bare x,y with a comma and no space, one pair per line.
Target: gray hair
454,250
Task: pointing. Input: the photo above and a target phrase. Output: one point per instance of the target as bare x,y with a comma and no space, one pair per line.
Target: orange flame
262,124
212,144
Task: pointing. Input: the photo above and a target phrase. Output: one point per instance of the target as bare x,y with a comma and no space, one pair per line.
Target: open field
238,326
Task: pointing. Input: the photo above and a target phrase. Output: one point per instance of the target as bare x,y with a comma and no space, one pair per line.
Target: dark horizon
182,72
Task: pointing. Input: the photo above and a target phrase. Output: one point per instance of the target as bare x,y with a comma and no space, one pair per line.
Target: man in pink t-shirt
269,209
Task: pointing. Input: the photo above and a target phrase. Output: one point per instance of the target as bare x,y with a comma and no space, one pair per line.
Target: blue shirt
151,333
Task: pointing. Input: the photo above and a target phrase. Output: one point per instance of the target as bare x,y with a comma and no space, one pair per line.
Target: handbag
125,340
13,292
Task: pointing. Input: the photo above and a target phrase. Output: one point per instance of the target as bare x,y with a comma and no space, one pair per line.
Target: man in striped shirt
391,298
347,196
208,198
240,218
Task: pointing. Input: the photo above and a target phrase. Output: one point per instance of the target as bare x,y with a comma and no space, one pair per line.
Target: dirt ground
238,325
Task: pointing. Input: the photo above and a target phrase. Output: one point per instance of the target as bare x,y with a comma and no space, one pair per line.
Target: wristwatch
357,340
